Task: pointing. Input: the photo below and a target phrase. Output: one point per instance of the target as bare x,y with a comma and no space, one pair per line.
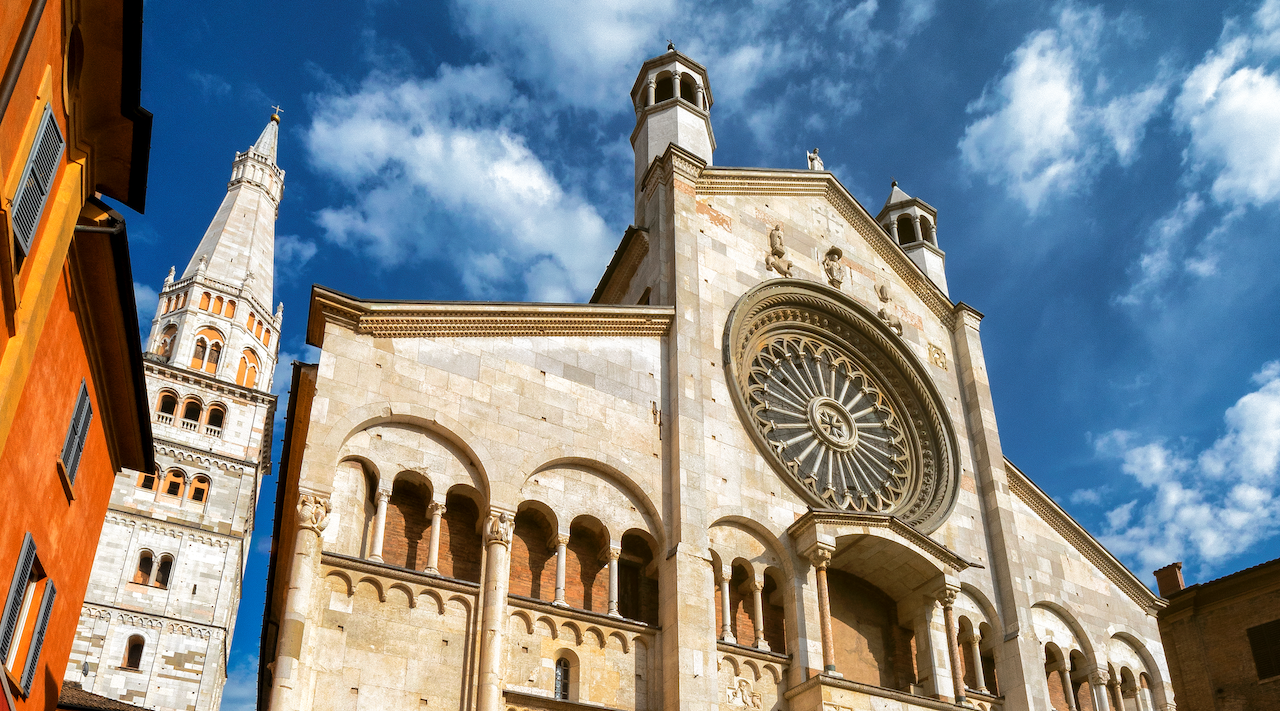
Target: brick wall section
863,623
460,545
533,560
586,588
741,606
774,619
1057,699
408,530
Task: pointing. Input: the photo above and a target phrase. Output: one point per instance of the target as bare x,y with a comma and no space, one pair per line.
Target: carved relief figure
831,265
777,257
815,163
889,319
498,528
740,693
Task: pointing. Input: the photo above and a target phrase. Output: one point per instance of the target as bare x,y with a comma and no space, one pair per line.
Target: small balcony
213,431
164,418
191,425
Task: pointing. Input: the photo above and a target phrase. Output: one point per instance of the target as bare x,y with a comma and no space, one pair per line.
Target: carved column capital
383,495
435,508
947,597
755,585
1099,677
559,539
313,512
820,558
611,554
497,530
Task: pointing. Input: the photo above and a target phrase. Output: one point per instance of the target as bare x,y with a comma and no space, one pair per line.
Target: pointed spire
896,195
266,143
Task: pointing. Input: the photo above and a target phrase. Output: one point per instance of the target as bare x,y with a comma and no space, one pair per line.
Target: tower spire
240,240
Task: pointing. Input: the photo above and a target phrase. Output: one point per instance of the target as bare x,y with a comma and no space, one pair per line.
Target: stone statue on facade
831,265
777,257
498,528
893,322
815,163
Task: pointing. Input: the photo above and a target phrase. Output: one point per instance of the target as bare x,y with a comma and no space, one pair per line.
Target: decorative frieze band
182,453
1074,533
148,525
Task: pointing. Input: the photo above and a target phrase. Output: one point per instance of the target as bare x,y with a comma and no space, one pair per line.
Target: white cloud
147,299
241,690
1159,260
1206,507
292,254
419,154
283,376
1040,131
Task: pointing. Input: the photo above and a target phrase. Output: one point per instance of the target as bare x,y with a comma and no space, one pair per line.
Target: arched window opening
987,651
775,629
211,363
199,492
182,301
147,480
133,653
231,309
587,579
741,603
266,336
197,356
906,230
257,331
664,90
173,483
252,320
164,571
168,404
407,528
637,587
168,305
213,425
191,413
688,90
217,305
460,545
142,575
164,345
530,550
562,679
204,301
926,231
247,374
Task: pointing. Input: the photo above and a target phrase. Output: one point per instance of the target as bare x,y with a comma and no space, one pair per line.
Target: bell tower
913,225
159,615
672,99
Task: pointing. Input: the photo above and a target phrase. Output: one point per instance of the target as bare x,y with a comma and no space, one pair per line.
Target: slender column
379,525
612,555
653,92
975,653
562,551
313,518
1098,683
436,509
1064,678
726,610
497,540
915,222
893,231
675,84
948,599
821,558
702,98
757,590
1117,699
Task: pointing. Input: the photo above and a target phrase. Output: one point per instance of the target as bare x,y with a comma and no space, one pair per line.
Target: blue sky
1107,178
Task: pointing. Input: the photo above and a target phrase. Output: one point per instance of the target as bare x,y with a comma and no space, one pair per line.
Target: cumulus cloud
1160,257
1046,126
292,254
241,690
147,299
1229,105
427,160
1202,506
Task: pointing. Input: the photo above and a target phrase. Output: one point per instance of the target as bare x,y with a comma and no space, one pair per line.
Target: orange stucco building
72,403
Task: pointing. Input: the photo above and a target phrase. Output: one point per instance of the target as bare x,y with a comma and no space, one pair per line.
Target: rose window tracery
838,405
829,423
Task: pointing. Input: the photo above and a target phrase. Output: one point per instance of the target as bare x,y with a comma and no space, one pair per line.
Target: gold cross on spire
276,111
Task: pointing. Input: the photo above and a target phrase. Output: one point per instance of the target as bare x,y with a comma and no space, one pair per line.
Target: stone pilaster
290,678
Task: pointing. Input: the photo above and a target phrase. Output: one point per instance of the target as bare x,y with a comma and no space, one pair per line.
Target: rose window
829,423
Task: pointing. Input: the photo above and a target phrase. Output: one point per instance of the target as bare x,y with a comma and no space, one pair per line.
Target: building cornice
1061,522
168,527
187,453
152,364
150,621
813,183
456,319
815,518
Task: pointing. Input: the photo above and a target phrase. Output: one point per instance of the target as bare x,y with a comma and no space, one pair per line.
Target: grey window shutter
37,639
17,589
77,433
37,180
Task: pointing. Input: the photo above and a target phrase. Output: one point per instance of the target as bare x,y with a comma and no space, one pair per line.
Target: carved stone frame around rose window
793,306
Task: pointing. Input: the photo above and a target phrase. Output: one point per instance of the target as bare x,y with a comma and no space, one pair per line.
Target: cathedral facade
157,621
761,470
